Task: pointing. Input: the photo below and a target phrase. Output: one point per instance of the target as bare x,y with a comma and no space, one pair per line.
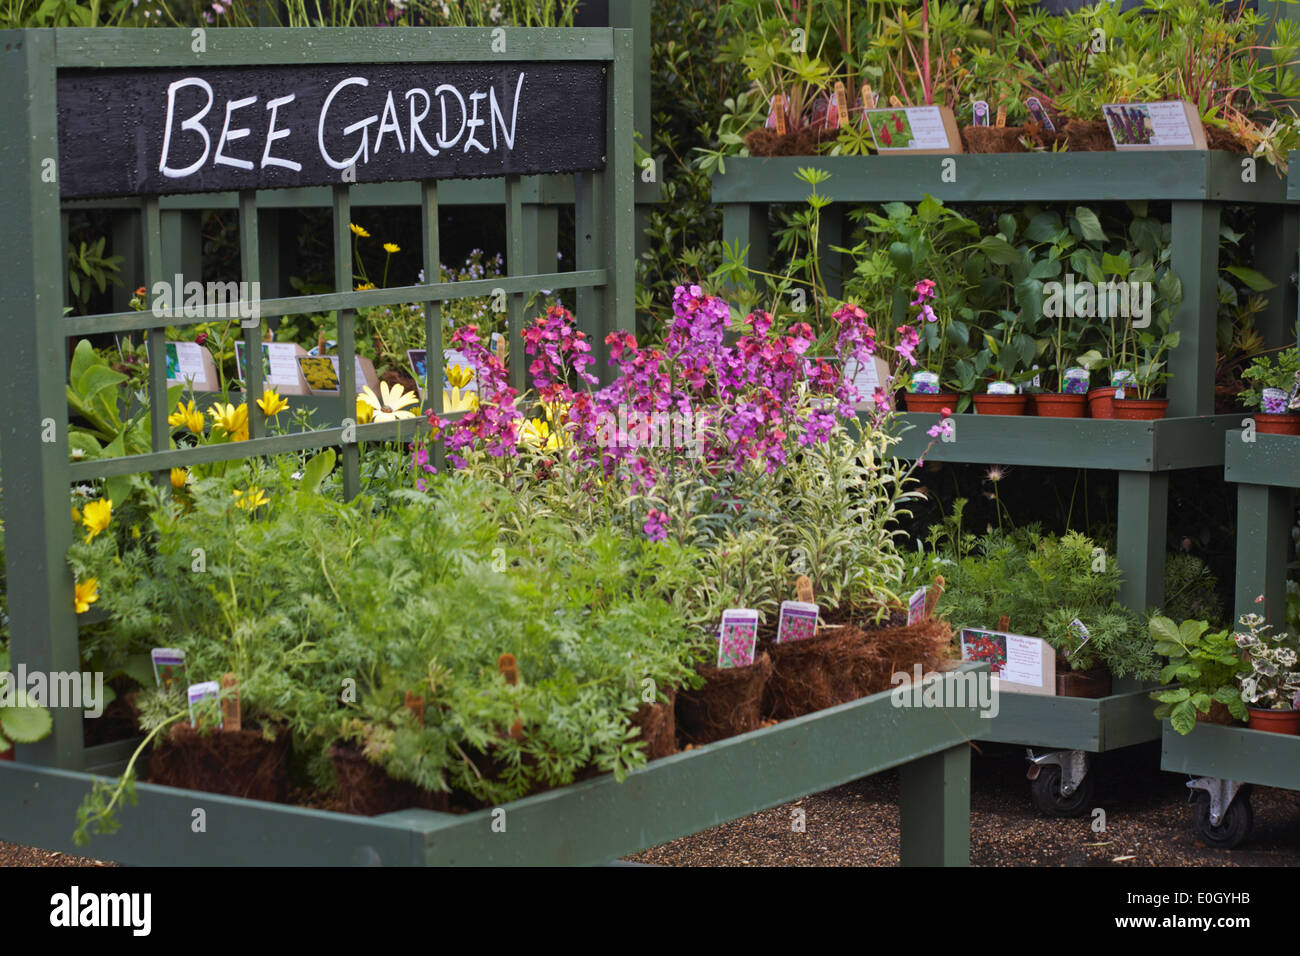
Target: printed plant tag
208,690
1002,116
1035,107
980,113
776,115
738,636
916,606
168,667
869,97
1172,124
841,101
798,621
1081,635
914,129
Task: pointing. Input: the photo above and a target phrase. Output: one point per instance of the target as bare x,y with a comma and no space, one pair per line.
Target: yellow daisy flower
458,401
271,403
364,287
86,594
187,415
180,477
254,497
458,376
537,432
365,411
96,516
231,420
391,247
391,404
358,230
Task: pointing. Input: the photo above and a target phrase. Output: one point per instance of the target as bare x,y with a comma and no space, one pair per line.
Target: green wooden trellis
44,630
594,821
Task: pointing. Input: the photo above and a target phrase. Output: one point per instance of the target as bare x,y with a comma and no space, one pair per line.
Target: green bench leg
1143,522
934,809
1263,540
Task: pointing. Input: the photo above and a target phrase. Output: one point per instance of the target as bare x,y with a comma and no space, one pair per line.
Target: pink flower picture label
737,637
798,621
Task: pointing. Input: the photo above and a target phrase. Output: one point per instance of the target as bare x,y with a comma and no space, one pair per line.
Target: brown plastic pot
1141,409
934,403
1001,404
1284,423
1060,405
1274,721
1101,402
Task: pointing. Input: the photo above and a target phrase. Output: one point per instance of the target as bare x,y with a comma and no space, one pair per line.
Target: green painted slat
618,180
594,821
545,190
518,362
343,283
1268,460
107,48
1265,516
231,451
42,625
1142,519
1009,177
1233,753
156,337
1071,442
331,301
1194,258
1074,723
934,809
250,271
433,330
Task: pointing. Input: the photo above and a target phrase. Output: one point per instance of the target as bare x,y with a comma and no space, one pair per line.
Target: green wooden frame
595,821
1197,183
1233,753
1074,723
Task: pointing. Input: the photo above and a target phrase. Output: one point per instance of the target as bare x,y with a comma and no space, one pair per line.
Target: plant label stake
230,718
1078,628
869,97
168,667
776,115
798,619
738,635
916,605
803,589
980,113
208,690
1035,107
841,100
509,670
936,592
1002,116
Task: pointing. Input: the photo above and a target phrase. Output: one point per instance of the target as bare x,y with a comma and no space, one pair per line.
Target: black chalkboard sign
144,132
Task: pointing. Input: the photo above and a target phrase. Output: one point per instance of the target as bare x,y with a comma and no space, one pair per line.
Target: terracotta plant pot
1141,409
1274,721
1287,423
1093,683
365,788
1060,405
933,403
1001,404
1101,402
729,703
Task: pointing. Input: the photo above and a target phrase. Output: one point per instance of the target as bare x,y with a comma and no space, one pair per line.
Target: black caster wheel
1045,791
1235,826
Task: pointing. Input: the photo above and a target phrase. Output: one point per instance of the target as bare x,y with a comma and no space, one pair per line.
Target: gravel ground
1148,823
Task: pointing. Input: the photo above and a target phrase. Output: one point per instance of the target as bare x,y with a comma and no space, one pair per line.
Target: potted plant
1204,665
1071,398
1009,348
926,346
1145,358
1275,391
1271,687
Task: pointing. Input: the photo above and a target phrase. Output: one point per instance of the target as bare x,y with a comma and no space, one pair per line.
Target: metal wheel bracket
1222,793
1073,764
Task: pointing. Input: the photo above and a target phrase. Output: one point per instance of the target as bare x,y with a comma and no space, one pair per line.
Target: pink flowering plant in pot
728,436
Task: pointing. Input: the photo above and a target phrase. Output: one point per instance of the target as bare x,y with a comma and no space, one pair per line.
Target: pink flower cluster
750,400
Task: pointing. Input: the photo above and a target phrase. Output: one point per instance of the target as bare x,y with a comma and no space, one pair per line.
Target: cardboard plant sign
914,129
1021,664
867,377
201,129
279,366
321,373
797,622
190,364
737,637
1173,124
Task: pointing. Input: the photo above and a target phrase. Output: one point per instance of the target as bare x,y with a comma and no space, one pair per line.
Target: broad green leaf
999,250
1183,717
1255,281
1089,226
314,471
25,723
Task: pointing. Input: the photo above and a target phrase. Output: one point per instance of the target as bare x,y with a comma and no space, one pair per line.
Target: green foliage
1042,584
1203,663
1279,370
1191,590
89,270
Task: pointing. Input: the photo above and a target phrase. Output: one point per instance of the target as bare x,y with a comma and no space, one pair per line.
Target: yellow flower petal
391,247
85,594
96,516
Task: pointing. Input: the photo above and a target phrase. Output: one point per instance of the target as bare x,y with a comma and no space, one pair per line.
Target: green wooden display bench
1196,183
1267,472
592,822
1224,762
